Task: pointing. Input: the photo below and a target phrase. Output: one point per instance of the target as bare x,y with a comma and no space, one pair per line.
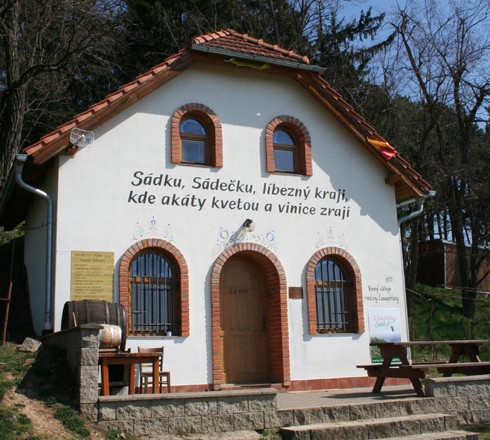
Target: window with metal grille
154,307
333,291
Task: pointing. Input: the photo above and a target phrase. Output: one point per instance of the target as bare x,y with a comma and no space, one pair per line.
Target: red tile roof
230,40
406,180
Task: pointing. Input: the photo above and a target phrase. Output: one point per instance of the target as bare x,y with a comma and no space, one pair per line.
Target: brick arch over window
212,125
302,137
349,264
170,252
277,304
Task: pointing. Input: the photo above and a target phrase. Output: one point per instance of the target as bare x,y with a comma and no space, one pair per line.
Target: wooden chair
146,378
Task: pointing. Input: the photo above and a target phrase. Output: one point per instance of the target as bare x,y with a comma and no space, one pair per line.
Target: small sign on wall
92,275
384,326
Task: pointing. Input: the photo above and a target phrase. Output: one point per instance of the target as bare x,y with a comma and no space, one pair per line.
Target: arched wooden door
244,322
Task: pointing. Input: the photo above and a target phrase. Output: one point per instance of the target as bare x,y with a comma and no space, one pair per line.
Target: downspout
20,160
418,209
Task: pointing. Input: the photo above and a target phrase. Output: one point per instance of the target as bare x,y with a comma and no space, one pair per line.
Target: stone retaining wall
82,352
177,413
468,398
188,413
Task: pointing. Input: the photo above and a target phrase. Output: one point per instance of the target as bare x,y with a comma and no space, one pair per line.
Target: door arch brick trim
277,305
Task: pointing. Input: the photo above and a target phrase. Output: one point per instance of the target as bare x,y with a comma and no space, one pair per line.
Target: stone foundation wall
467,397
188,413
178,413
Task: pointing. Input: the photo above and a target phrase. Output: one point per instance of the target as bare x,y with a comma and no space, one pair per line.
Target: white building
239,209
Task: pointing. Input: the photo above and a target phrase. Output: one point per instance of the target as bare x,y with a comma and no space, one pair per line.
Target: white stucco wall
96,213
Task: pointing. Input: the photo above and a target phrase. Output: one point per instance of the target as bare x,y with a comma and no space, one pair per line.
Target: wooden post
6,318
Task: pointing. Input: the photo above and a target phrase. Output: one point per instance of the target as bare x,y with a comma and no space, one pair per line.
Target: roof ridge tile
224,34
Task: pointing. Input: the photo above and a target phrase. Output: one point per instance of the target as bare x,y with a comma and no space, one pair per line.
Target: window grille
153,302
333,291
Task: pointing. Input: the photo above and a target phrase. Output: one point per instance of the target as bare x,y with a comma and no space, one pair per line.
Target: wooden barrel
76,313
110,336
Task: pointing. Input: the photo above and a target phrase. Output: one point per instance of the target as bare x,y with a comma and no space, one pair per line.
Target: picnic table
464,359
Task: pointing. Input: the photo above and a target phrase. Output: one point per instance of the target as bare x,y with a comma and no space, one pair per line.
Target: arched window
154,294
288,147
334,293
154,289
285,152
196,136
195,143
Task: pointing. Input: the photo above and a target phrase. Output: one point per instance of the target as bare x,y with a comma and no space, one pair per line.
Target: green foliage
6,237
72,421
156,29
44,375
13,365
482,430
437,315
13,424
271,434
111,435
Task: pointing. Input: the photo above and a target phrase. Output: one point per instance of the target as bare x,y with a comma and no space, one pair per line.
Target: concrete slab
307,399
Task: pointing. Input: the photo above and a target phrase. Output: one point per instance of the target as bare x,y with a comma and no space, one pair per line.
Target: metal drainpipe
20,160
418,210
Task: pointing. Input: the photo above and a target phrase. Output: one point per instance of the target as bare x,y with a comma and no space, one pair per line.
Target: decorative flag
384,148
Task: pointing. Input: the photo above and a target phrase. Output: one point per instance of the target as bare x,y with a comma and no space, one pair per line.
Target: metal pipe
20,160
418,210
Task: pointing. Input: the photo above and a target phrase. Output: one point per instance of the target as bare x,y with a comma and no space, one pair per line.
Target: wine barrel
76,313
110,336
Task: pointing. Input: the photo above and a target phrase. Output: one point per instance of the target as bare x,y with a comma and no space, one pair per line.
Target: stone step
448,435
380,428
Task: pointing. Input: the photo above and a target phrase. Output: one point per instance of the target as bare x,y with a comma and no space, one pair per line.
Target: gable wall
96,213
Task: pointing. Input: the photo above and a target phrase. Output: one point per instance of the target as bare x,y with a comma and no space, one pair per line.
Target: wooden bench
395,370
465,350
418,371
448,368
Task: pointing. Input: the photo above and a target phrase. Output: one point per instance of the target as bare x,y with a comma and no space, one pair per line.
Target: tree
42,45
445,51
158,29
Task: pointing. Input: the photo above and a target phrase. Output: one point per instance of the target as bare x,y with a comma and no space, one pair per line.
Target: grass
437,315
13,367
42,376
72,421
482,430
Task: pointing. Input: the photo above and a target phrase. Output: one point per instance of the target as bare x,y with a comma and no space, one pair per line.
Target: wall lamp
248,225
81,138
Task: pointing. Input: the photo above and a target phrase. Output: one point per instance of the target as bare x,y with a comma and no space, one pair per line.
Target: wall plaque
295,292
92,275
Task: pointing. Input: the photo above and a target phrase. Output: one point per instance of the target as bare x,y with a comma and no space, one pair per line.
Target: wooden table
399,350
131,359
